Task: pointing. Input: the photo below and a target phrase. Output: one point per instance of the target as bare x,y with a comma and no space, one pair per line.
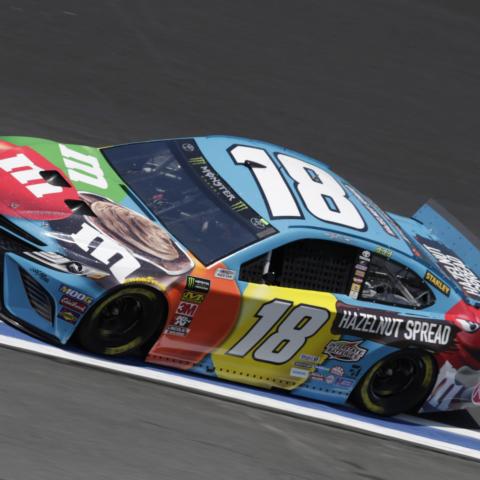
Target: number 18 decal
322,195
301,323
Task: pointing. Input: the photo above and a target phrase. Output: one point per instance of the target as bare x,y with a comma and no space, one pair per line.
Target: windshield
188,197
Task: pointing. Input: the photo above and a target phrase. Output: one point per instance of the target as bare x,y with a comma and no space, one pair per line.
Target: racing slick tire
397,383
127,321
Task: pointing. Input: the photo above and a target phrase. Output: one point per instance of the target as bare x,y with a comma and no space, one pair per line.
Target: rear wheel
126,321
397,383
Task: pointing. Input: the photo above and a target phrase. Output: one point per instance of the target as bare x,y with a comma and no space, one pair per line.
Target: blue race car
244,261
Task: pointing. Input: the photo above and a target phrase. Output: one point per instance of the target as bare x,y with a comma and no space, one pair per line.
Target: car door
285,325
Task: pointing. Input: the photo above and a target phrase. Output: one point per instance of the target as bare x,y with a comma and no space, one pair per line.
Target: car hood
77,215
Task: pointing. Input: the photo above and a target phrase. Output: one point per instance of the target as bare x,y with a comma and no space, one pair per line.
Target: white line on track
464,432
252,398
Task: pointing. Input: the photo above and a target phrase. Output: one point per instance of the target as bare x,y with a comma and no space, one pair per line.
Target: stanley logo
437,283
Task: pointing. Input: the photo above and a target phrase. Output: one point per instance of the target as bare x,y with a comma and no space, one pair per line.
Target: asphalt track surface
384,91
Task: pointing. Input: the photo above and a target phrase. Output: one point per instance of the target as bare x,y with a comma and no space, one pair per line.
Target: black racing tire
397,383
124,322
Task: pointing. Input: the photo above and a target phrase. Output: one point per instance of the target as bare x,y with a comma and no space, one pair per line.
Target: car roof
380,227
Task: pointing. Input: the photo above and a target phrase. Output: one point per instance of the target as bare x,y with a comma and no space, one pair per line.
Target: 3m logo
27,173
186,308
83,168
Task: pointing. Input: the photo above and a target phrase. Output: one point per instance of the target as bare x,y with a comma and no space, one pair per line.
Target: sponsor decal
198,284
355,288
304,365
320,373
359,275
188,147
259,223
177,331
27,173
344,382
453,267
187,308
386,252
345,351
225,274
330,379
354,371
365,256
197,161
104,249
299,373
68,315
437,283
42,275
337,370
182,321
72,293
406,239
73,304
319,377
338,236
148,280
323,370
83,168
194,297
309,358
392,328
205,173
375,211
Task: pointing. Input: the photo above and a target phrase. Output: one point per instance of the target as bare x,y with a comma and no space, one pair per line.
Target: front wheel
397,383
124,322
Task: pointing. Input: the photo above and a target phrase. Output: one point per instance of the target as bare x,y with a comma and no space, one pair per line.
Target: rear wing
459,242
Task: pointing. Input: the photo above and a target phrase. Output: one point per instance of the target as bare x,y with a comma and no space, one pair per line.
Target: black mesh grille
37,296
252,271
306,264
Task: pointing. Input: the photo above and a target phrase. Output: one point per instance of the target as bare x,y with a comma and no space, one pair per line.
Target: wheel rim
394,377
121,316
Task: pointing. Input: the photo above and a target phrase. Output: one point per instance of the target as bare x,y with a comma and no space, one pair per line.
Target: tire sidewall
409,400
149,329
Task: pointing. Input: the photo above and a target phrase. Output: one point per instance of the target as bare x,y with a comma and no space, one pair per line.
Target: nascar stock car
240,260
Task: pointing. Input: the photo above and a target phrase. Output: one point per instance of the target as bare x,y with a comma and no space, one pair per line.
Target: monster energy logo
197,161
239,206
198,284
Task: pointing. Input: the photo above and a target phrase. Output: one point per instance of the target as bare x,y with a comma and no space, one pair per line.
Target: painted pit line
413,430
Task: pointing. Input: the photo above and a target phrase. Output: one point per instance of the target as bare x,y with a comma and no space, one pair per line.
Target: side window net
304,264
390,283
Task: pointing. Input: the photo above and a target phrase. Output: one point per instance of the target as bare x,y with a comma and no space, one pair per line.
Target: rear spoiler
451,233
